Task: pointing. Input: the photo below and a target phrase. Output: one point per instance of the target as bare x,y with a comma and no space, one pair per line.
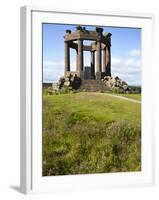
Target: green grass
131,96
90,133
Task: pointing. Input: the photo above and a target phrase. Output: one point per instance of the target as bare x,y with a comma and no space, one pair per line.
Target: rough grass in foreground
89,133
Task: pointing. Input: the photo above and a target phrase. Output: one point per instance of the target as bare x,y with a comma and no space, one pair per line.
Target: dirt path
124,98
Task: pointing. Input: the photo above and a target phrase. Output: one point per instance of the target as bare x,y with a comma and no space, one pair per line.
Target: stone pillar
76,59
104,60
108,61
80,56
92,65
98,56
67,57
98,60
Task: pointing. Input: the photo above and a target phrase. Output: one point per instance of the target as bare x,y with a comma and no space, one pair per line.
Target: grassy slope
90,133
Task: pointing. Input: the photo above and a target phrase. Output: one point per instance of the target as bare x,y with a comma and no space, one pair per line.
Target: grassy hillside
90,133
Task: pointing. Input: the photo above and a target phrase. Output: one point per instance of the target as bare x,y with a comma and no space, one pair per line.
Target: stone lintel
87,48
85,34
81,35
72,36
94,46
88,37
74,45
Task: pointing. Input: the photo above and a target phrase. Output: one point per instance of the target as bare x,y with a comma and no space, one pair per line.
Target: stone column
104,60
98,61
98,56
108,61
76,59
67,57
92,64
80,56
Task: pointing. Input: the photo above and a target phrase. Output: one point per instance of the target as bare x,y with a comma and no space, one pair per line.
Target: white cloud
130,61
52,63
116,61
128,69
52,70
135,52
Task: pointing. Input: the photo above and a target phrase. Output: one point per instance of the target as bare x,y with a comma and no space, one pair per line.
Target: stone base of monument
70,80
98,75
108,83
93,86
74,82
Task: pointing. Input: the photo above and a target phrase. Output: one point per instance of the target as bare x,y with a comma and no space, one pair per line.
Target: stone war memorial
97,76
100,45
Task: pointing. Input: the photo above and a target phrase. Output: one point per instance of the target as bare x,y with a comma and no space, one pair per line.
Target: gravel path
124,98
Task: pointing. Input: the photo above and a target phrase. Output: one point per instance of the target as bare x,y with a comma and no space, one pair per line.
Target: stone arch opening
72,60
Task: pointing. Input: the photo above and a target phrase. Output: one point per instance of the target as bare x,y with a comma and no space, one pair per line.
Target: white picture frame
31,104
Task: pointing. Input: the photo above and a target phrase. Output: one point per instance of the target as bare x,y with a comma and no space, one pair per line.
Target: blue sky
125,52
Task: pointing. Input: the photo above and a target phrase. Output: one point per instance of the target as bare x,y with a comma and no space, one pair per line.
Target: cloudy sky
125,52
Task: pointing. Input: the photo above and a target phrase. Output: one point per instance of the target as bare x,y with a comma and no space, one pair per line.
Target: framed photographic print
86,100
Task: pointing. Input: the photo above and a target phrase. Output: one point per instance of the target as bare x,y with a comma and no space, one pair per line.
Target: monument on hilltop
97,76
100,45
